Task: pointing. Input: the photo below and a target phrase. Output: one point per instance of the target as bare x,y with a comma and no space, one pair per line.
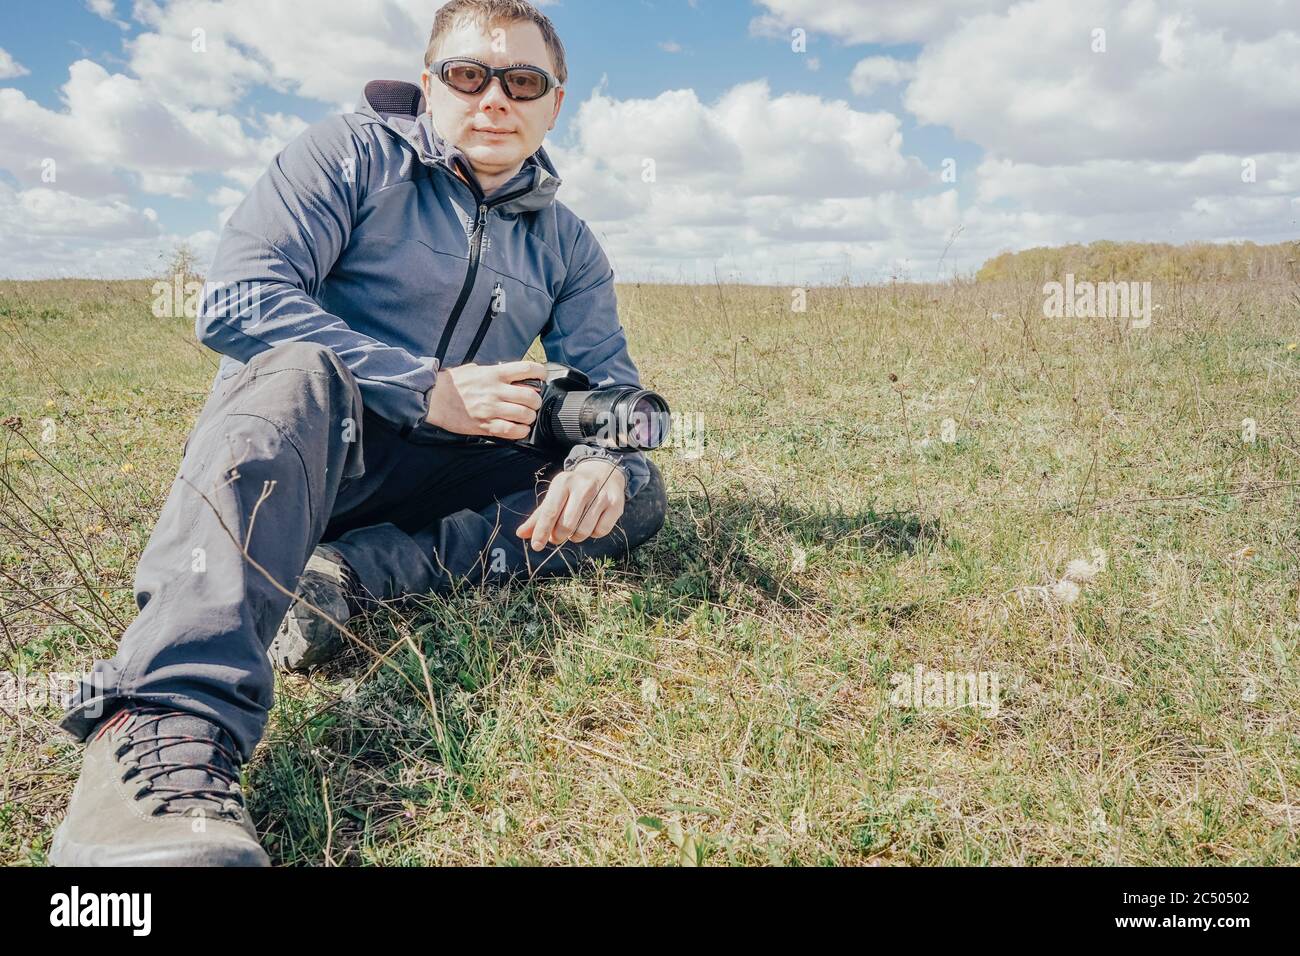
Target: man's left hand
579,504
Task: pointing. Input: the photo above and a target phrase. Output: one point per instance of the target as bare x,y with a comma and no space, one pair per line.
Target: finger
548,512
588,524
500,428
510,412
521,395
581,499
608,519
526,527
517,371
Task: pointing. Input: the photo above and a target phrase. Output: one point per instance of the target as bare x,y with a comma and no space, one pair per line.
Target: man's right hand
483,399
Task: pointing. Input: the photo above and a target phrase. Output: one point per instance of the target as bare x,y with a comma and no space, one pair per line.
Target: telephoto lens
619,417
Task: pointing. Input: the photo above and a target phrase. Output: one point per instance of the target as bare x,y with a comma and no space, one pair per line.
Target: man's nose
495,95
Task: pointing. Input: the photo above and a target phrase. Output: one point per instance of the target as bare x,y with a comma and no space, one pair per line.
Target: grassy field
726,697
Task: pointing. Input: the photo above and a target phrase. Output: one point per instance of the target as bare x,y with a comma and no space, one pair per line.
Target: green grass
725,697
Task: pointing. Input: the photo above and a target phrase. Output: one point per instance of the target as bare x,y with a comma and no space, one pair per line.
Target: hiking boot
305,638
158,787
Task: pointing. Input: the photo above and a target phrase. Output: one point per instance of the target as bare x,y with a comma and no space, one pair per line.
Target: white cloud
216,76
156,127
1144,141
874,72
112,127
46,232
1200,200
327,51
770,181
176,185
880,21
50,212
76,166
1172,83
747,143
1135,187
9,67
104,10
226,198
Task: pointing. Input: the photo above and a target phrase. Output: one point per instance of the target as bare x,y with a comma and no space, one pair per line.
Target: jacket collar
395,104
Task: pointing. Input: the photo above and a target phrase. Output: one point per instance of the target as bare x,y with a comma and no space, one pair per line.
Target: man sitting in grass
390,270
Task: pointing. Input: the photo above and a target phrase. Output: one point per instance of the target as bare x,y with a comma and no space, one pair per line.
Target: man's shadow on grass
731,541
354,775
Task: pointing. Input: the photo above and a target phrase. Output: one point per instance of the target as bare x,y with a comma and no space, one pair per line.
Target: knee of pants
302,388
296,380
299,356
644,513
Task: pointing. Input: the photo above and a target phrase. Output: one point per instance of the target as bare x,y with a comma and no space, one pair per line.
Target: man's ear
426,78
559,98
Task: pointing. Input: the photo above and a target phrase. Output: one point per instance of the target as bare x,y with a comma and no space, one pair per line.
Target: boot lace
224,794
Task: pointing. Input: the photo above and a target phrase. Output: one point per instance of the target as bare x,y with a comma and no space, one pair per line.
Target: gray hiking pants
283,457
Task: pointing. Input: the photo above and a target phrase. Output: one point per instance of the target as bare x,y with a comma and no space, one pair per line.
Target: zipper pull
482,217
498,292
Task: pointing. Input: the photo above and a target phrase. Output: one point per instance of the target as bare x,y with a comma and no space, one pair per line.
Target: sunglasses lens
466,77
525,84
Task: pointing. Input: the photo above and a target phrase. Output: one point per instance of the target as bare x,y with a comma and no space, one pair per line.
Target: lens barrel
622,417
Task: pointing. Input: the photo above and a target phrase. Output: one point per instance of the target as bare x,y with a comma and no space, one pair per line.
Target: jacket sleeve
276,250
584,333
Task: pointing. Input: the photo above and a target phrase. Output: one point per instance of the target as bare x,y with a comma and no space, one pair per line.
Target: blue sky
621,44
1039,126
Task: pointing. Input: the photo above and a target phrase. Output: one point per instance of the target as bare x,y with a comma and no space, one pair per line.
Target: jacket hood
399,106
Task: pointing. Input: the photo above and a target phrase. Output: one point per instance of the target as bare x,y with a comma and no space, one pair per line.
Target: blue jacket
362,238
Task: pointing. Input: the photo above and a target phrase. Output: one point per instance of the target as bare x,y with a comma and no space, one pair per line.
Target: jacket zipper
488,316
475,251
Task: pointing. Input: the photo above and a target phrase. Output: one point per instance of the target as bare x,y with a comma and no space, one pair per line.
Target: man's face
495,133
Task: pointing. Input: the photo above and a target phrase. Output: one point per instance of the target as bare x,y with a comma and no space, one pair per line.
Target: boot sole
66,853
299,645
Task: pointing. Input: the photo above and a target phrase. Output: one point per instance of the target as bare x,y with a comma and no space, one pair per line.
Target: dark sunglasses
467,75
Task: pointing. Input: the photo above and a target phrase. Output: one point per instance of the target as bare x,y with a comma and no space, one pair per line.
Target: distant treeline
1148,261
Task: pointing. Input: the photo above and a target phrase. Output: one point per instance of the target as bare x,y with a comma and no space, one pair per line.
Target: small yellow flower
127,468
49,402
1290,346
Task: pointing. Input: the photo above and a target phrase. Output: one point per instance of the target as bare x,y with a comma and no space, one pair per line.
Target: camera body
619,417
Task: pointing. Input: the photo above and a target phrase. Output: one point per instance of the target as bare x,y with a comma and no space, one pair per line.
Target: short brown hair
486,12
